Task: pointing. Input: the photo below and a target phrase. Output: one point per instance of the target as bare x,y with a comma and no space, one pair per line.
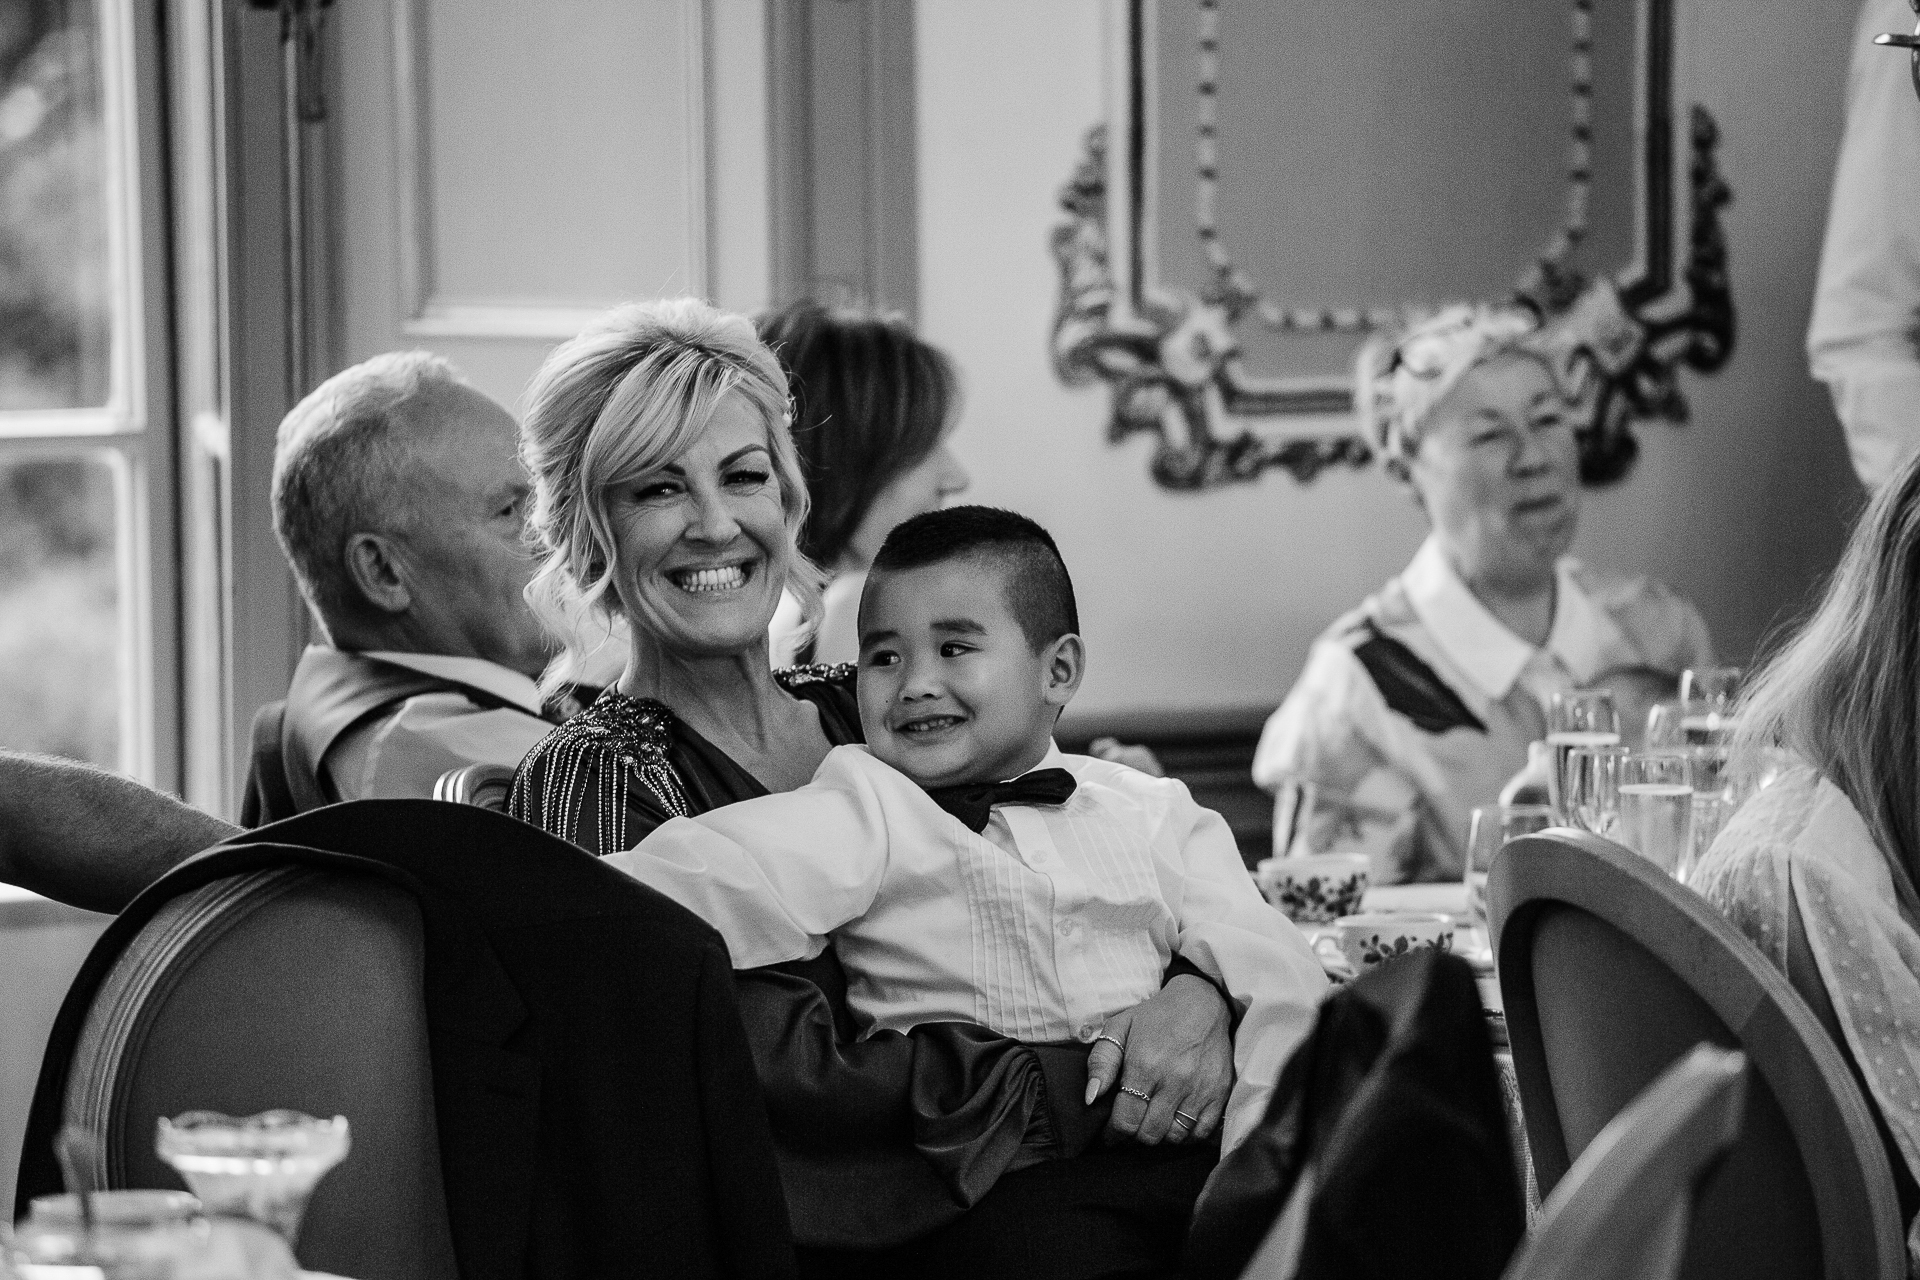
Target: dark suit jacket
1395,1103
597,1105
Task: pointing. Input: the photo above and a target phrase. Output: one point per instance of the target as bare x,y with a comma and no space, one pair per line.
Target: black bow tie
971,802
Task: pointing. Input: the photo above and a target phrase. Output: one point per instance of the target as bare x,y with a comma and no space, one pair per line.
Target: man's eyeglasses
1893,39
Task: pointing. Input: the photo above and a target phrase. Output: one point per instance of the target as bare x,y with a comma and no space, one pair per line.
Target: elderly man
399,498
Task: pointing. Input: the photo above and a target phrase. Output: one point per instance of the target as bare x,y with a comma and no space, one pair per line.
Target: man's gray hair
336,459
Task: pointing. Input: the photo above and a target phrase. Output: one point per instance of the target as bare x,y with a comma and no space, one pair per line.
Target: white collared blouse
1800,843
1041,928
1419,706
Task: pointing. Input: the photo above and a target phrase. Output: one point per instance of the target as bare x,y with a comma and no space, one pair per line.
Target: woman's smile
718,578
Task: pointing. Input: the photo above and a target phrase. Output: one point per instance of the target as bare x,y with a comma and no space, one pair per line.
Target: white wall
1208,601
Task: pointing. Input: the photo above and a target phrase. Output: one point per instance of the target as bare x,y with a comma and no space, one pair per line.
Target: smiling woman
667,494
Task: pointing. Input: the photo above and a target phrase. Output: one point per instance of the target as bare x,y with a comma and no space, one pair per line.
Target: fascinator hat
1400,379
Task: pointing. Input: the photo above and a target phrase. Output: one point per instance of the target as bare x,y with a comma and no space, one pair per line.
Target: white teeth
929,726
724,579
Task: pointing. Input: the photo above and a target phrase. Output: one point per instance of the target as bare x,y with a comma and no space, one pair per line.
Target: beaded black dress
880,1140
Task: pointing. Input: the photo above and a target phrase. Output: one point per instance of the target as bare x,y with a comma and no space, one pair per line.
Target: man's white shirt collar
1481,646
490,677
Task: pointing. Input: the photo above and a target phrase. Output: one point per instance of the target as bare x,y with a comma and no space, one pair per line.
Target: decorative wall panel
1274,182
551,160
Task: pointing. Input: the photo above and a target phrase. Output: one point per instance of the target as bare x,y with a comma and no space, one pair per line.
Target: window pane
60,633
55,308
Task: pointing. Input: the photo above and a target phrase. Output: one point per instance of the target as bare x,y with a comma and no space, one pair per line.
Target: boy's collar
1054,758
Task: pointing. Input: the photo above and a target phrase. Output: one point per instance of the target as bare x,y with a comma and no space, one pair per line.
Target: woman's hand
1131,754
1176,1049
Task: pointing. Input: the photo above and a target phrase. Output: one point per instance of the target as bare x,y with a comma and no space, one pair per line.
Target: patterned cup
1317,888
1372,938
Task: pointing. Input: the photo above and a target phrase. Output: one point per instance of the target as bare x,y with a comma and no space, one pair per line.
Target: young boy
1039,910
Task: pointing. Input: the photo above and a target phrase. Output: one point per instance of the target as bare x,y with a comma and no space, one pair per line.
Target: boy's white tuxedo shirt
1041,928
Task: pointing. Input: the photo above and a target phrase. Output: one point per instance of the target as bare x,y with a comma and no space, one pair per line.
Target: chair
1610,971
485,785
283,988
1623,1210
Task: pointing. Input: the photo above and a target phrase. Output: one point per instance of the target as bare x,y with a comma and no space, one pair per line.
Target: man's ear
374,565
1062,666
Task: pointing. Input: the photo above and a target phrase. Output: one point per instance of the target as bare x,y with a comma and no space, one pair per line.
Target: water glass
1592,786
1656,809
1664,729
1577,718
1707,699
1491,827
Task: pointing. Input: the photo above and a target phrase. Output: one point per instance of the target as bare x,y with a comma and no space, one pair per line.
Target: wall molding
1169,350
424,313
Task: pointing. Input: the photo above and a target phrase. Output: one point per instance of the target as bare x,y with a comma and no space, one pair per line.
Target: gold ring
1191,1120
1110,1040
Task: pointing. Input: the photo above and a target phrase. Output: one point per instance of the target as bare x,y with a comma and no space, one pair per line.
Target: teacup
1315,888
1372,938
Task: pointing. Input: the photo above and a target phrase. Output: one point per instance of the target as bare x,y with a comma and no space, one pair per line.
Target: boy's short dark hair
1039,590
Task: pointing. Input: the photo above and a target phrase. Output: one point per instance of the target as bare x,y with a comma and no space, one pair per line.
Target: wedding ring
1141,1094
1110,1040
1178,1116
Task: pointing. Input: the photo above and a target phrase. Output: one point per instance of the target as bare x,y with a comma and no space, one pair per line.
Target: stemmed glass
1490,829
1707,698
1577,718
1656,809
263,1167
1592,784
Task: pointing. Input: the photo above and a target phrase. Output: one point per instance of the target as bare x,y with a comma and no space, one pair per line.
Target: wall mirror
1274,182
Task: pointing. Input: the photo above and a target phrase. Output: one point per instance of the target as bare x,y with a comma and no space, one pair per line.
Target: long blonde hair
629,395
1843,692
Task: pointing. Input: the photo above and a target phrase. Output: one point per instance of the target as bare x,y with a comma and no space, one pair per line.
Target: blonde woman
1829,852
667,495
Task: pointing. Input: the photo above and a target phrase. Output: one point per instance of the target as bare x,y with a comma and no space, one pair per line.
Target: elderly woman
667,494
1819,868
1420,704
874,406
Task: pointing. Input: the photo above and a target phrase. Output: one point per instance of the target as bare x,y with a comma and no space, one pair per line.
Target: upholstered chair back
290,987
485,785
1610,972
1624,1210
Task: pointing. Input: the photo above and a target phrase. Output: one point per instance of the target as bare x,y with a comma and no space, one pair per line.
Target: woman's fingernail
1093,1090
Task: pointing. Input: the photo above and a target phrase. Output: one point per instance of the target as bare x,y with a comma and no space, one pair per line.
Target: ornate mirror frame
1172,357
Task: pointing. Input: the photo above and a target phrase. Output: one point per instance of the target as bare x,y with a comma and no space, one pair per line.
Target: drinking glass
1707,698
1577,718
1656,808
1663,726
1490,828
1593,788
263,1167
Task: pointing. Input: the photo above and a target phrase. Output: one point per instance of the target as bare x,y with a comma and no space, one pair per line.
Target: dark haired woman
873,407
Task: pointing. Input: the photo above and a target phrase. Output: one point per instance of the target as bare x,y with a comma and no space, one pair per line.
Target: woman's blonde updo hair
626,397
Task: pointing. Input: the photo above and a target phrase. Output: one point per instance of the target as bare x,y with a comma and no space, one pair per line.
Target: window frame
135,426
